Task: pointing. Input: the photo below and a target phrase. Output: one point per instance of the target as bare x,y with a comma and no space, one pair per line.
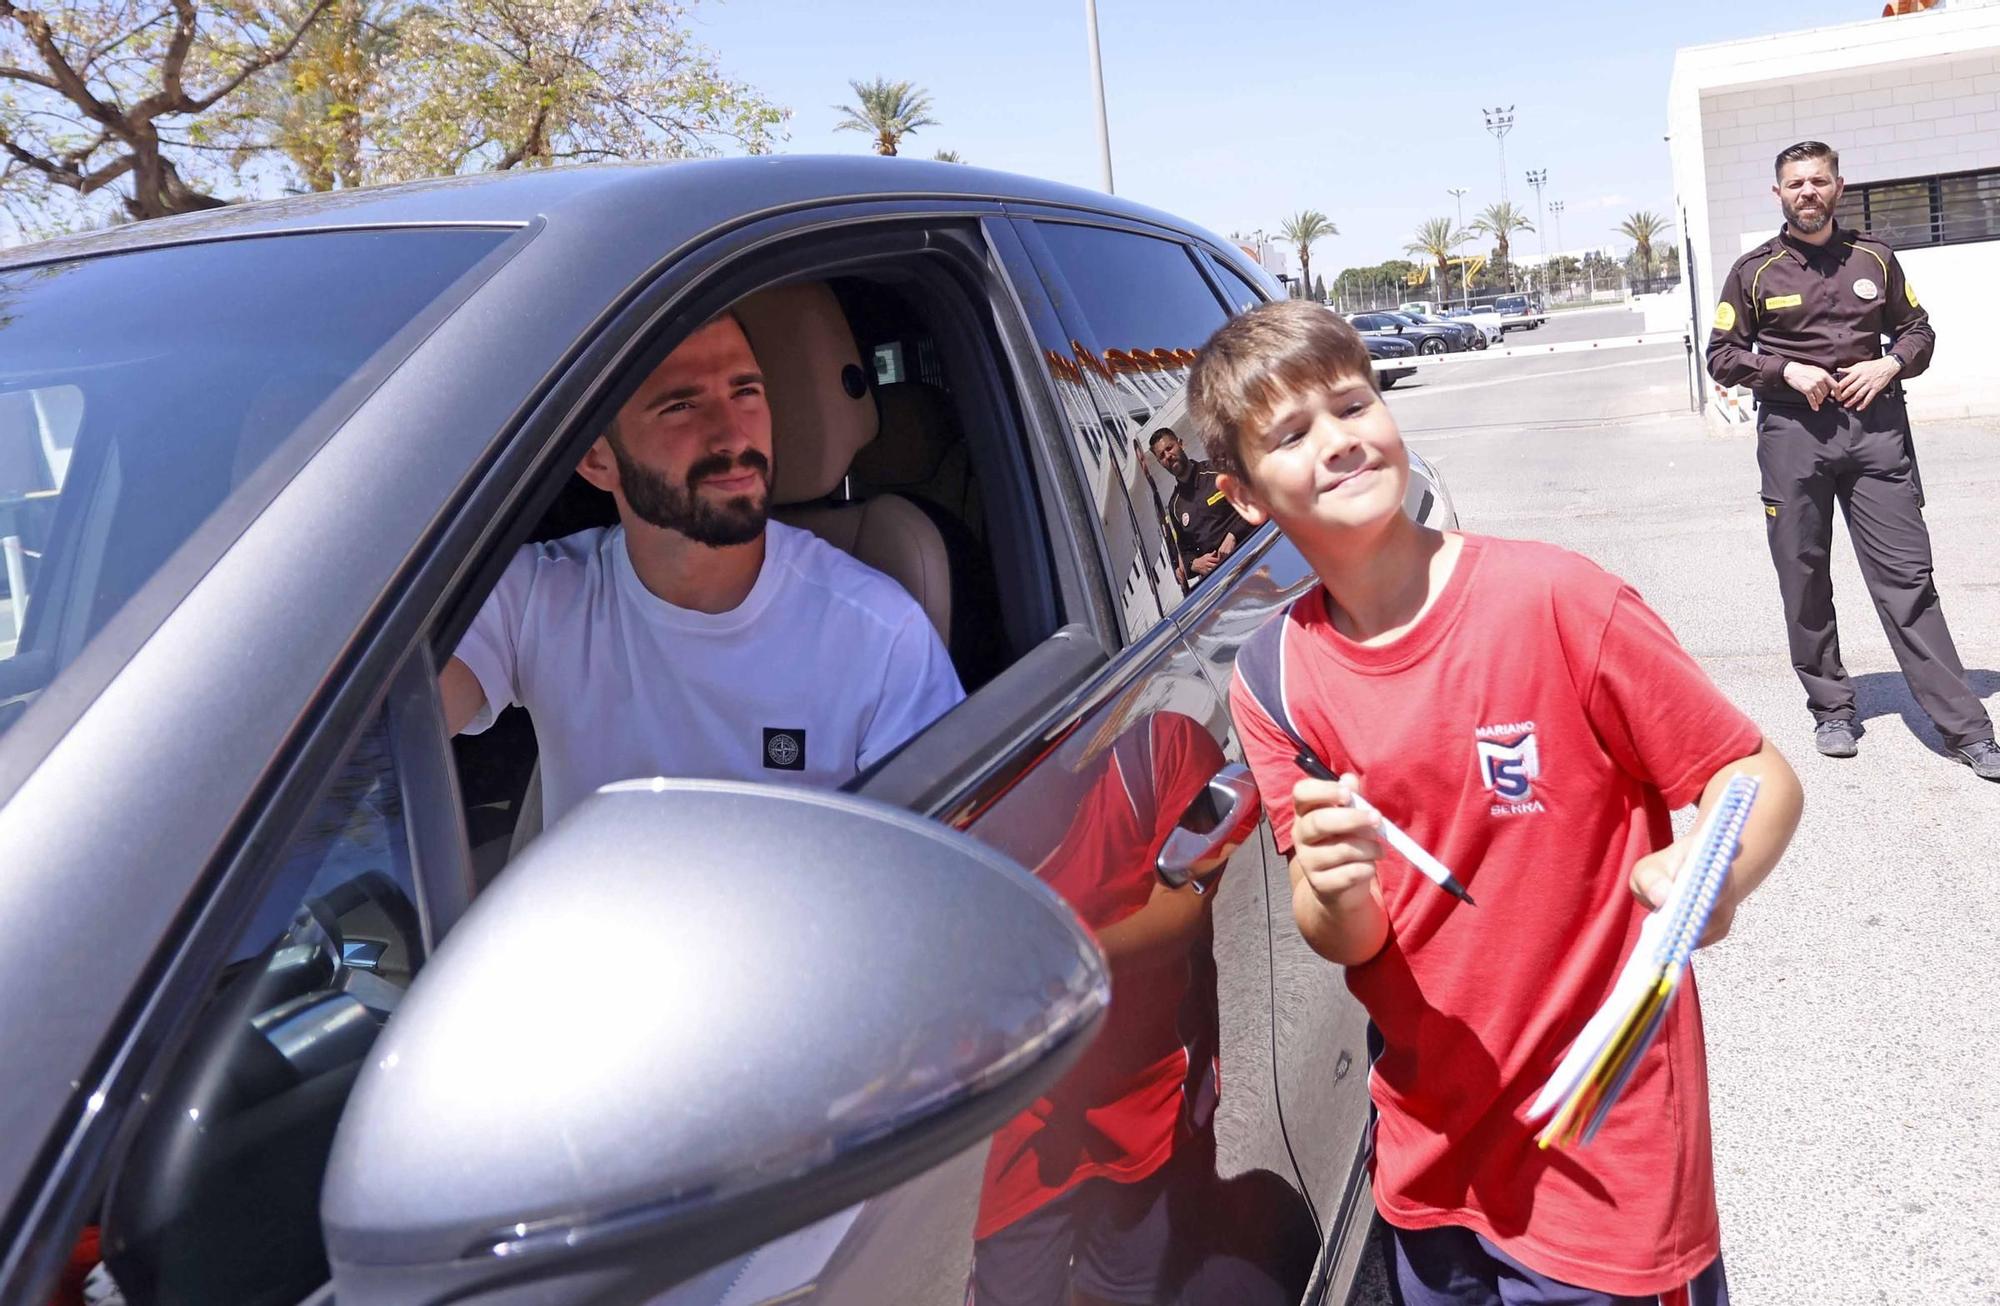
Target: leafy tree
1319,289
488,85
116,98
1436,240
889,110
1640,228
1302,229
166,111
1501,221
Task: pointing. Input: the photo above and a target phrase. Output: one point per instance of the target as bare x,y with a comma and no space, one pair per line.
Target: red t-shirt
1532,730
1118,1112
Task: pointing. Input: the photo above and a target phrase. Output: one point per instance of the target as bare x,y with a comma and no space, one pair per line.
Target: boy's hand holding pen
1335,843
1412,851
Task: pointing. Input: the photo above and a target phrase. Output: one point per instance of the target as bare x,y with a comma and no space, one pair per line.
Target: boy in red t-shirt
1526,718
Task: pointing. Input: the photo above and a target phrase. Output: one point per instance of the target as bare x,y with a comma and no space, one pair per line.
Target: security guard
1204,527
1815,302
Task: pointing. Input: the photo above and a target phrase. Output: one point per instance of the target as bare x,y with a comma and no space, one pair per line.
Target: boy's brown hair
1260,358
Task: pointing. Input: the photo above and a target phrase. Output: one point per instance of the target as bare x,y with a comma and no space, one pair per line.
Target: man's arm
1766,834
1911,338
1731,360
464,698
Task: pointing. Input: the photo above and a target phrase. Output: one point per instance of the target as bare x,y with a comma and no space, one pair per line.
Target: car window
1142,308
217,1198
1241,293
130,408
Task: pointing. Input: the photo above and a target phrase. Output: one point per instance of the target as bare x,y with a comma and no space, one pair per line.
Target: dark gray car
258,468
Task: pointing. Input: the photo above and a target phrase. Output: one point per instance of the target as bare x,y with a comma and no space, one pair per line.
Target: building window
1912,211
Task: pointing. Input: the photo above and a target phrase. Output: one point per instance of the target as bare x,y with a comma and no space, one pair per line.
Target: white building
1912,104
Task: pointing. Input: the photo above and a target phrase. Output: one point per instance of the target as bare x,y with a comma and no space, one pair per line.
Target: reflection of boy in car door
697,638
1076,1205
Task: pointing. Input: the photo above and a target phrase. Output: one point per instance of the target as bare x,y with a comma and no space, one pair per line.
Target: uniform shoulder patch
1910,293
1725,316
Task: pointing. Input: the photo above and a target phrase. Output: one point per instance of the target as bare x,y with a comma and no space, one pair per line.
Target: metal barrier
1495,353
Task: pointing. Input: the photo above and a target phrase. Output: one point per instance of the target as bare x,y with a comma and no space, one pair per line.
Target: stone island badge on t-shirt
1509,764
784,750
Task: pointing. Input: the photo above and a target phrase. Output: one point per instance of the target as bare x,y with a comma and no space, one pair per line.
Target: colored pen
1413,852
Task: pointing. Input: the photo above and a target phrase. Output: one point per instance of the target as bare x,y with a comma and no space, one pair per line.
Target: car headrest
918,431
821,408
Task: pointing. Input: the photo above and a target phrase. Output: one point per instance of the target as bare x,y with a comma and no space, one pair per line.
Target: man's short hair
1164,433
1258,360
1807,150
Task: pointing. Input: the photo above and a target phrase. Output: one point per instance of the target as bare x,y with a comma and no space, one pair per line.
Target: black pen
1413,852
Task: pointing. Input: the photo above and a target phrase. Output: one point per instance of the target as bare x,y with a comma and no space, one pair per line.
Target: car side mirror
691,1017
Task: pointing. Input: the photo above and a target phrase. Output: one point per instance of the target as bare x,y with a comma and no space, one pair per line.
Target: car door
1133,290
1317,1027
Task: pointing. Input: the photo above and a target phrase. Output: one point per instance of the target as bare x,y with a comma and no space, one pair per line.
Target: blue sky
1236,115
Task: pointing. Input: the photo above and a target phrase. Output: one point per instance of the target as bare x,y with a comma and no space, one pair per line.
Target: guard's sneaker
1835,738
1983,757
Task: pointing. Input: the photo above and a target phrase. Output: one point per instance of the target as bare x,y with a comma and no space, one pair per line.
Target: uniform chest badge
1186,518
1866,288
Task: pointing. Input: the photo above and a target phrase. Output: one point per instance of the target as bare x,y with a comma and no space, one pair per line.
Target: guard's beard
1807,224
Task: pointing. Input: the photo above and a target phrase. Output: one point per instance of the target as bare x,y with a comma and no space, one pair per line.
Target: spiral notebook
1587,1082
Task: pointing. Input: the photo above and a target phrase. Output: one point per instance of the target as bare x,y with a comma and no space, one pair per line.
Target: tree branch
33,79
66,79
272,56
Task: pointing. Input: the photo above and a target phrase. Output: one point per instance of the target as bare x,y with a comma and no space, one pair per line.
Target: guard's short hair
1165,432
1258,360
1806,150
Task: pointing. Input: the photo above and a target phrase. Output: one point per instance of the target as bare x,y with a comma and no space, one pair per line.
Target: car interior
877,448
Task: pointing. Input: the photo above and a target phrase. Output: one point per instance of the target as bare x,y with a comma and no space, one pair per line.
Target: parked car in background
1418,307
301,1002
1447,339
1520,312
1384,346
1469,331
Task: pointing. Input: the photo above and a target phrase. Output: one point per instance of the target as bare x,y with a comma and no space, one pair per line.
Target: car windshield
139,390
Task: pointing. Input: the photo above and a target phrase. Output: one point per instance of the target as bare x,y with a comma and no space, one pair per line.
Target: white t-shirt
825,667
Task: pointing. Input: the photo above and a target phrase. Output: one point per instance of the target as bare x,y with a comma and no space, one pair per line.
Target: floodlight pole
1097,89
1539,180
1500,121
1556,207
1464,288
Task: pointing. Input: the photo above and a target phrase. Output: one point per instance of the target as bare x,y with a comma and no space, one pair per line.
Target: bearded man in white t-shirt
697,637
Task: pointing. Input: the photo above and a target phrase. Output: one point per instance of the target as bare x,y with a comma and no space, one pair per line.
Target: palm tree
1436,239
1640,229
889,110
1501,221
1302,229
947,156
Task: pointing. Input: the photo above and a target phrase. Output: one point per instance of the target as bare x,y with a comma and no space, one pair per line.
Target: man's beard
659,502
1807,225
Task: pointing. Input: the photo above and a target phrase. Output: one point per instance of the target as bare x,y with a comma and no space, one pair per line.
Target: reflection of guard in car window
1203,525
698,638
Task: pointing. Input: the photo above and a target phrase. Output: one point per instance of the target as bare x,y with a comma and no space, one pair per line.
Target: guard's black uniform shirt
1828,305
1202,515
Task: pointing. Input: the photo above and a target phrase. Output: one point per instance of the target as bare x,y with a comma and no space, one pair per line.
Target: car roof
681,199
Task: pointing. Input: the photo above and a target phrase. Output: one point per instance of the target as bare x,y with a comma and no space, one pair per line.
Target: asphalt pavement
1853,1016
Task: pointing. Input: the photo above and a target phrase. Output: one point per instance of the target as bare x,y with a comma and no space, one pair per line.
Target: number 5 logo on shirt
1509,767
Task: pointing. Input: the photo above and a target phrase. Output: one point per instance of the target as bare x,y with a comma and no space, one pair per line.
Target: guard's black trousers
1864,460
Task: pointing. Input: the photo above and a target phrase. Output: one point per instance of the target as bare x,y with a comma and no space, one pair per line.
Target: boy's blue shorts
1453,1266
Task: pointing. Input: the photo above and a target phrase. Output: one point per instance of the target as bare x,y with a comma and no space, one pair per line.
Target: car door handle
1218,820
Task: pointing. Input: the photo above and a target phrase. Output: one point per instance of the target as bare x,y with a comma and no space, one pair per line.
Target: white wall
1897,98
